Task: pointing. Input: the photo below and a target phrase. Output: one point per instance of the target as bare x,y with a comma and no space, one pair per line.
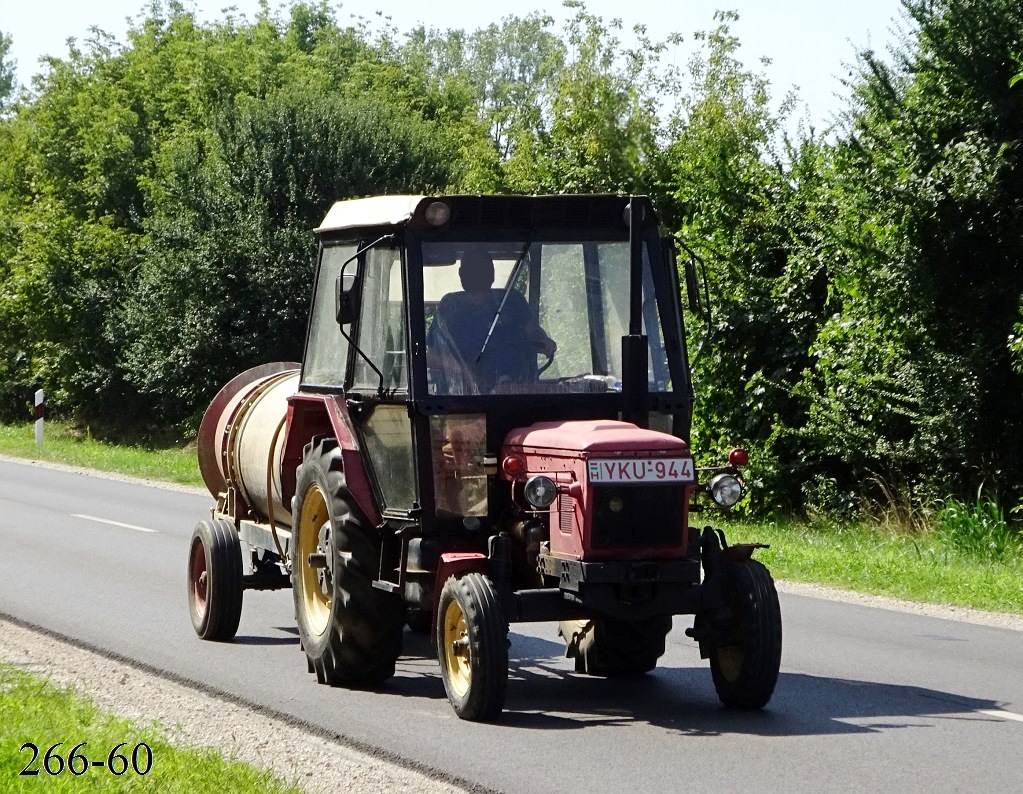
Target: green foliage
156,200
869,559
163,458
130,164
977,528
751,217
912,379
7,65
600,127
227,266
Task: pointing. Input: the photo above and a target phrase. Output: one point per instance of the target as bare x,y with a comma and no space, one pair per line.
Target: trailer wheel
351,631
472,647
215,580
745,671
611,647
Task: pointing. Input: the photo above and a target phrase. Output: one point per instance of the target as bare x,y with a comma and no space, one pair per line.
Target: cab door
379,380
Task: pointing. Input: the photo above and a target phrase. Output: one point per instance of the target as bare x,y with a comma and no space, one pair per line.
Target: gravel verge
187,716
998,620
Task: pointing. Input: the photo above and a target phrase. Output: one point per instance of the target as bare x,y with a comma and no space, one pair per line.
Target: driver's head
476,271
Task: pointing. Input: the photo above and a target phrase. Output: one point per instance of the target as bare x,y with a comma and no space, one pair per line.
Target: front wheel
745,665
215,580
472,646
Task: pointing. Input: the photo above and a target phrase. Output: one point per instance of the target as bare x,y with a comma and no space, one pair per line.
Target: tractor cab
452,321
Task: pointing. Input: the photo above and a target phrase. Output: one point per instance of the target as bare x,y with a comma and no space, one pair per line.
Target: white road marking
1005,715
113,523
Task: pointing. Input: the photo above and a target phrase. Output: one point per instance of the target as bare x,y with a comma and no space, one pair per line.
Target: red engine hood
594,436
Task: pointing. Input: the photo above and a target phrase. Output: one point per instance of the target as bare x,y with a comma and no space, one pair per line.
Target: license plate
641,470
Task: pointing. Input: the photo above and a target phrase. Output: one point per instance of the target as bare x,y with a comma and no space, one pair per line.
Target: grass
34,710
65,444
916,566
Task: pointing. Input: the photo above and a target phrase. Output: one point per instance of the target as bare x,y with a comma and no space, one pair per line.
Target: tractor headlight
725,489
540,491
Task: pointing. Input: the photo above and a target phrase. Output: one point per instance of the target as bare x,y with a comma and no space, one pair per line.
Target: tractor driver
464,360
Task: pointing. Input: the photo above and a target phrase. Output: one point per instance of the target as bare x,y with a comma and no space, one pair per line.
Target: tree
227,265
750,215
7,73
913,385
597,129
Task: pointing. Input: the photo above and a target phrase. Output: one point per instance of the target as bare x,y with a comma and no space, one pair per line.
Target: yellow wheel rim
730,659
456,650
315,596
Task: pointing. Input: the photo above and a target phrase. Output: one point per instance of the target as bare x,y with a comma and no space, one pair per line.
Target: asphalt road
868,699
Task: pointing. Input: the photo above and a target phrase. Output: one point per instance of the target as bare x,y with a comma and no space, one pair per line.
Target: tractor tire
215,580
351,631
745,672
610,647
472,647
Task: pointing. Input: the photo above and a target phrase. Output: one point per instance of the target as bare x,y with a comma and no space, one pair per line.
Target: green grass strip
64,444
33,710
867,558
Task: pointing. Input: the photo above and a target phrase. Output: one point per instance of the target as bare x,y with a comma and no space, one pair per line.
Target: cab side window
326,354
382,323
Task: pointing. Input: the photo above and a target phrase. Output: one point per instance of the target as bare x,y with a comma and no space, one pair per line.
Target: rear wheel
215,580
745,667
472,646
611,647
351,631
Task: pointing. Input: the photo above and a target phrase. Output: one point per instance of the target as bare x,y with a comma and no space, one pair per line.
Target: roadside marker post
40,410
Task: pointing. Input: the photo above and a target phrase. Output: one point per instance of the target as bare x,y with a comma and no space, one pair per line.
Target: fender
310,415
453,563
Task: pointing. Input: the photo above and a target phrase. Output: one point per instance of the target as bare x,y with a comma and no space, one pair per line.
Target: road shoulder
189,717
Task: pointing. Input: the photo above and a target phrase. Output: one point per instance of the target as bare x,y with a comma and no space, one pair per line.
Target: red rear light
738,457
513,466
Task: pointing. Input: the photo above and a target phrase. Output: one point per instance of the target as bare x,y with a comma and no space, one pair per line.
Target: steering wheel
543,369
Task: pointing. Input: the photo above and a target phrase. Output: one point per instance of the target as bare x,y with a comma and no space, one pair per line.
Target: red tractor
488,427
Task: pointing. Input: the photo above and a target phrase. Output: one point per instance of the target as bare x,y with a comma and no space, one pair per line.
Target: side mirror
346,298
693,288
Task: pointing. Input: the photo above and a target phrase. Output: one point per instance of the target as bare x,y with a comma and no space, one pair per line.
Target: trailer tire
472,647
215,580
351,631
745,672
610,647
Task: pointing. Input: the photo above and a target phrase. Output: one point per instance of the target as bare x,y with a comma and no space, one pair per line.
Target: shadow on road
290,639
544,694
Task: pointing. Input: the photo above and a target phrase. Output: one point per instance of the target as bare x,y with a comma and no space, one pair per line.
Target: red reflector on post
738,457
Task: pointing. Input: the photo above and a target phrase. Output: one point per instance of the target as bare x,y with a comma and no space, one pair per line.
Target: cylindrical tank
241,438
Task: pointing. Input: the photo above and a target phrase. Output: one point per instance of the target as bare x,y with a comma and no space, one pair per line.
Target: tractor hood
595,436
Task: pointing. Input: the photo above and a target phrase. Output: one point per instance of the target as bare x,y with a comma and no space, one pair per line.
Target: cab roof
375,211
604,212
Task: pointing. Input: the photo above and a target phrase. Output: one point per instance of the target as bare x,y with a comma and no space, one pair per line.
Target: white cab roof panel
375,211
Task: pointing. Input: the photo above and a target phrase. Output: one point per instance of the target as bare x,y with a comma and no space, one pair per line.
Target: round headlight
540,491
725,489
